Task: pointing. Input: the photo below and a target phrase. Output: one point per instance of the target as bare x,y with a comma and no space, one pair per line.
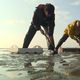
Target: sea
39,66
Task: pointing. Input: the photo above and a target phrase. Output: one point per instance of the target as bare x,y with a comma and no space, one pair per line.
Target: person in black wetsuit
43,16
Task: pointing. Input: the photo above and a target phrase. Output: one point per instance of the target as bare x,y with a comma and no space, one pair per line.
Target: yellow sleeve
70,30
66,31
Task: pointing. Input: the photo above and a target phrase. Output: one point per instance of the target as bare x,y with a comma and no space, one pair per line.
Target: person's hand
55,51
42,31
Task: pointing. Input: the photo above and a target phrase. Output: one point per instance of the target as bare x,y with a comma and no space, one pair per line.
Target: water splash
13,49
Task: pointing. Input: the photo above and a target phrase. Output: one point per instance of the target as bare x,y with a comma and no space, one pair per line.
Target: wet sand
39,66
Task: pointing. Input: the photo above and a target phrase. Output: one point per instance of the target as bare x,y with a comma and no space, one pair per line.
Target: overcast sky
16,17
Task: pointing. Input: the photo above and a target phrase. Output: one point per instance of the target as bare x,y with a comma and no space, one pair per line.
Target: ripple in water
37,67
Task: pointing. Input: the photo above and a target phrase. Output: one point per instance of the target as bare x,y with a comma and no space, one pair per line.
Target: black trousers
29,36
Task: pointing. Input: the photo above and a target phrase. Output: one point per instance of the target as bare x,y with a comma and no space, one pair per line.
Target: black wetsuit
39,19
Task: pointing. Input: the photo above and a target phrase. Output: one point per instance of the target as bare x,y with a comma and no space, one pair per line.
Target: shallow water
39,66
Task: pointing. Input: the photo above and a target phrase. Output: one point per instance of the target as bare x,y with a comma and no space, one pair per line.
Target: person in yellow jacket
72,31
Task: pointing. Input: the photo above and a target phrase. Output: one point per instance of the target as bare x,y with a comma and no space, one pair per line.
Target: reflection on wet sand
40,66
73,67
74,73
42,70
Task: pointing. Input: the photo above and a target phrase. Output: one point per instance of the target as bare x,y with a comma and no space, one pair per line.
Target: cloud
62,18
75,2
61,14
37,2
32,1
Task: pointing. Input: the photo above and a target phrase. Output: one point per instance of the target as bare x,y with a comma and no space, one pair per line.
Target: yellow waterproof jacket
72,30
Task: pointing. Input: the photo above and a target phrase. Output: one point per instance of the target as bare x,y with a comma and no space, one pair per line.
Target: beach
42,66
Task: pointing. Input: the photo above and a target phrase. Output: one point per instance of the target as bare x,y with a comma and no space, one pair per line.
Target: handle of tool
42,31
